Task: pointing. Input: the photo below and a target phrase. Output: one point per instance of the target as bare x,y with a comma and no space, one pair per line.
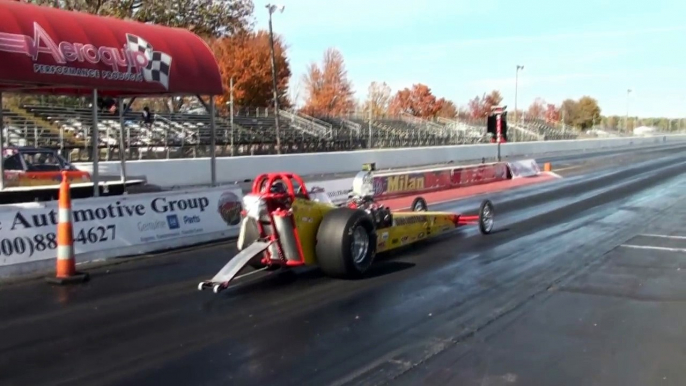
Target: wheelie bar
221,280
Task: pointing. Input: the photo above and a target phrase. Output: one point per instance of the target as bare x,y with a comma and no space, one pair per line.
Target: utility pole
272,8
626,118
370,127
233,149
519,67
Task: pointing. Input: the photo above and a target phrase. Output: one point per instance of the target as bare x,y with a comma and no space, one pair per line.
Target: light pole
519,67
626,117
273,8
233,147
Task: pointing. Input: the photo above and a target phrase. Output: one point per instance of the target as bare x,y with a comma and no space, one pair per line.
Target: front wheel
346,243
419,205
486,217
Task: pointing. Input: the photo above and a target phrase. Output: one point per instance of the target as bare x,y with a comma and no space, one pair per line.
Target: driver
277,187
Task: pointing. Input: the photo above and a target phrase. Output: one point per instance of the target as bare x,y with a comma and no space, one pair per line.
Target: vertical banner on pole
122,143
95,142
497,115
213,144
2,144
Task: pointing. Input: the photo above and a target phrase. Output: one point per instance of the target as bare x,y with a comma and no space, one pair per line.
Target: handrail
446,121
163,119
303,124
353,126
227,123
538,136
328,127
422,122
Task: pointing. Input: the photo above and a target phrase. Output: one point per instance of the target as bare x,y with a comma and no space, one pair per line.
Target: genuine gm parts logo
229,208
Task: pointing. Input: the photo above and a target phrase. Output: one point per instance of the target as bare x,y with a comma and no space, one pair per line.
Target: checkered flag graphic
159,63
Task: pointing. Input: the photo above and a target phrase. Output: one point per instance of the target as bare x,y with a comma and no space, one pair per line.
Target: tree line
243,55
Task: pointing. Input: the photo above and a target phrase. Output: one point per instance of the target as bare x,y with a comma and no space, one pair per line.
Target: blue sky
569,49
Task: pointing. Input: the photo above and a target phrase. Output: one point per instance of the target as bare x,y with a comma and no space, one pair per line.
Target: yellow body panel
307,216
408,227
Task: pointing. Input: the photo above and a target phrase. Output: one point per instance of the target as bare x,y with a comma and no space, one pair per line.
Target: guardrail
196,171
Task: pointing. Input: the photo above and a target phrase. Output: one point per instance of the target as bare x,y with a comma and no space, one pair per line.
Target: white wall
196,171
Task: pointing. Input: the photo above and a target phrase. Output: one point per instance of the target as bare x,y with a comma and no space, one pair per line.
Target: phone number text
29,245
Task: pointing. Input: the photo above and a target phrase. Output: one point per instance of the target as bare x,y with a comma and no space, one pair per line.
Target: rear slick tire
346,243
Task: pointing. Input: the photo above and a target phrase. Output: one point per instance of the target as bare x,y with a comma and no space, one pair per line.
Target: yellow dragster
285,226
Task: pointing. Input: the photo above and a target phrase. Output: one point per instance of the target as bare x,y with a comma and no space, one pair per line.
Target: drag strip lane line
674,237
569,168
682,250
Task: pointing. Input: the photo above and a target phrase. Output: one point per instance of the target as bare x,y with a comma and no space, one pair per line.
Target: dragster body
283,226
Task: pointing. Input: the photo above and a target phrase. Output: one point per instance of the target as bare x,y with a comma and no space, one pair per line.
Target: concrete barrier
196,171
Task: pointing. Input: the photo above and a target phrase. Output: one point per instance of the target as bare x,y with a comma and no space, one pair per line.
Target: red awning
47,50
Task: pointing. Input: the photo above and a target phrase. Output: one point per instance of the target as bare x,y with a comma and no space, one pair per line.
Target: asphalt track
554,296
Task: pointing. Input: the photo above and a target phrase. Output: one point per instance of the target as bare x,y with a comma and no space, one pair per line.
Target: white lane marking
569,168
675,237
654,248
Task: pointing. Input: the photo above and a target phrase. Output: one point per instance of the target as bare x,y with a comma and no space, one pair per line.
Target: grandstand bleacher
187,134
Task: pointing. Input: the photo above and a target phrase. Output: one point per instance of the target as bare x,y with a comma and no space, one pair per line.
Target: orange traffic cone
66,264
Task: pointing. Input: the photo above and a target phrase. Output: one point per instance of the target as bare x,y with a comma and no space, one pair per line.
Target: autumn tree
588,112
480,107
329,92
569,110
418,101
463,112
247,58
447,109
582,114
612,122
378,99
537,110
552,113
207,18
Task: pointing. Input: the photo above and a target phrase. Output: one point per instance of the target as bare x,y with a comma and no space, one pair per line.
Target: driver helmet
278,187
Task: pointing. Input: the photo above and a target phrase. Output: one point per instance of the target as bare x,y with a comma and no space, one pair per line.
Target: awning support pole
95,175
2,146
122,145
213,144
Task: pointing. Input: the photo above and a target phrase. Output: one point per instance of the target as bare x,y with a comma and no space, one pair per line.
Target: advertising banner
403,184
479,174
524,168
395,185
29,233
